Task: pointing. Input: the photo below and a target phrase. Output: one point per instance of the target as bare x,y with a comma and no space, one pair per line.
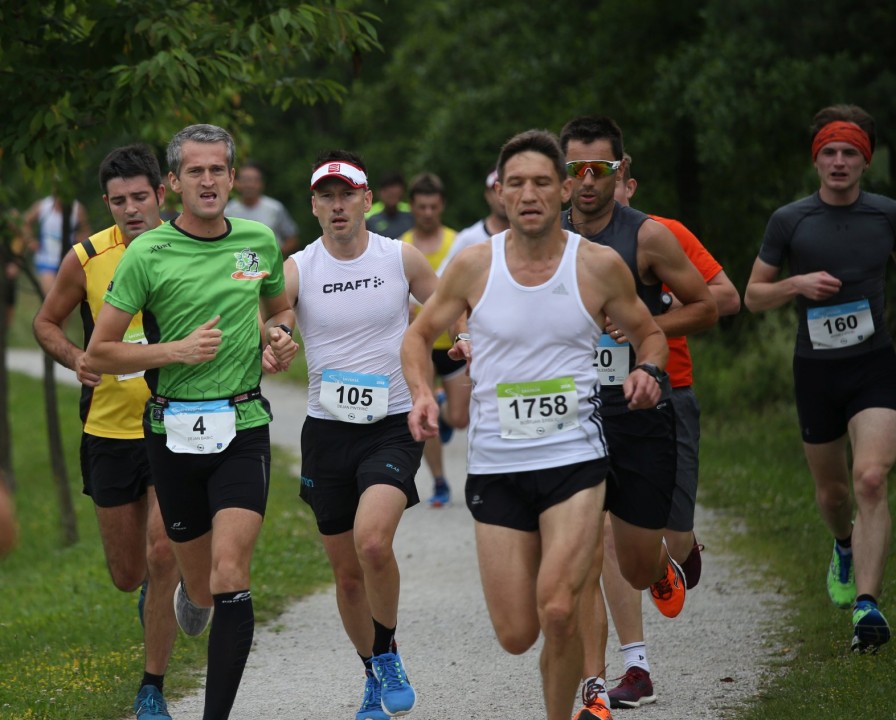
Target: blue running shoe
141,601
870,628
441,495
446,432
150,705
371,705
397,695
841,579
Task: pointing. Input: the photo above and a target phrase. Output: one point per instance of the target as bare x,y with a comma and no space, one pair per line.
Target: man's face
340,209
532,193
249,185
134,204
427,211
591,195
390,195
205,181
495,205
840,166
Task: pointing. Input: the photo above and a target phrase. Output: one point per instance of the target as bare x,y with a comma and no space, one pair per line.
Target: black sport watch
651,370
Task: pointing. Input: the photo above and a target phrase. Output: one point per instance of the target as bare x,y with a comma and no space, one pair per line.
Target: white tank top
352,315
533,346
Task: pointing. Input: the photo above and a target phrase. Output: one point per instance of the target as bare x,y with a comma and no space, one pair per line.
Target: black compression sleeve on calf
229,643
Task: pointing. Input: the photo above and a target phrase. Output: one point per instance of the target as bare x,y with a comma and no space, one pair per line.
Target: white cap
341,170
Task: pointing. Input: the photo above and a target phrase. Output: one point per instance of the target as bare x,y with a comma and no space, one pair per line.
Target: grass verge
70,644
753,470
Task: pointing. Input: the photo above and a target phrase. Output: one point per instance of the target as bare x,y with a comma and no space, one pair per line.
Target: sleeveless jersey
622,235
112,409
181,281
524,334
443,341
852,243
352,315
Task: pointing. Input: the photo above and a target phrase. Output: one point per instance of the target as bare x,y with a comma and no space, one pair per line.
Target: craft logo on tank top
247,266
373,282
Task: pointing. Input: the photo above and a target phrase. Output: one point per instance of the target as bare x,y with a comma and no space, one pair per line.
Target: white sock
635,655
603,684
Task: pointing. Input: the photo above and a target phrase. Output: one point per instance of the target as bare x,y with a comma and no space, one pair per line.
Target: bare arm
106,352
724,293
609,291
765,292
449,302
660,256
421,278
68,291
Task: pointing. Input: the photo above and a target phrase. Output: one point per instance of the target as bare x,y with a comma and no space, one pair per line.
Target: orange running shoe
595,710
668,592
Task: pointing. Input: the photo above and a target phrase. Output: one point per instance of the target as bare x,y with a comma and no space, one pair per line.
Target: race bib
137,337
611,360
203,427
838,326
537,409
354,397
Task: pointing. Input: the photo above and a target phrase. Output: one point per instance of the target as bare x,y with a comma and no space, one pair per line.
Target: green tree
74,73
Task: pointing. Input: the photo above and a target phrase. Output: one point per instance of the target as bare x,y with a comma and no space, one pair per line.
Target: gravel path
302,666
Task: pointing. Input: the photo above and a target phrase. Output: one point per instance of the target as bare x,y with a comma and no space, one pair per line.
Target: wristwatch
285,328
463,336
651,370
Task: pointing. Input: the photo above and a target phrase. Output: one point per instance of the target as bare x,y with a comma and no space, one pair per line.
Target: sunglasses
598,168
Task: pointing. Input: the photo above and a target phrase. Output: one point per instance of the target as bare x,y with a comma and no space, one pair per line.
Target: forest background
714,96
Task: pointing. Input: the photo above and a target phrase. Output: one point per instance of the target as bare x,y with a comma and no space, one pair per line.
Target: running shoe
441,495
191,618
841,579
870,628
594,706
150,705
397,695
634,689
446,432
693,565
371,705
669,591
141,600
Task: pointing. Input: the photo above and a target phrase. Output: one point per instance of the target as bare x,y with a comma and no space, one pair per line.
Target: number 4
199,426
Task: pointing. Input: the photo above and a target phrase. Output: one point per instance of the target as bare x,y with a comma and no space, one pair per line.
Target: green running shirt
180,281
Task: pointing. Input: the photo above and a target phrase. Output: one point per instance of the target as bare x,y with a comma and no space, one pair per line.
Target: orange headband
839,131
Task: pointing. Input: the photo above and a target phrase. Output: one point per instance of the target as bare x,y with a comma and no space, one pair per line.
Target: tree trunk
68,520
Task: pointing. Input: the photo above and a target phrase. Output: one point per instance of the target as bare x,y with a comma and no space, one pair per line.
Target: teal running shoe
841,579
150,705
870,628
397,695
371,705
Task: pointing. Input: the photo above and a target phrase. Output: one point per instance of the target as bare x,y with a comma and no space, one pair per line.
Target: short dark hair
338,155
202,134
540,141
846,113
426,183
130,161
588,128
390,179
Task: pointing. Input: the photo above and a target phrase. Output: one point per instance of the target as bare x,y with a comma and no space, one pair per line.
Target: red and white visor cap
341,170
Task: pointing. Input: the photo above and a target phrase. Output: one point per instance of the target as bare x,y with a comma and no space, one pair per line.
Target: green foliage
72,70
